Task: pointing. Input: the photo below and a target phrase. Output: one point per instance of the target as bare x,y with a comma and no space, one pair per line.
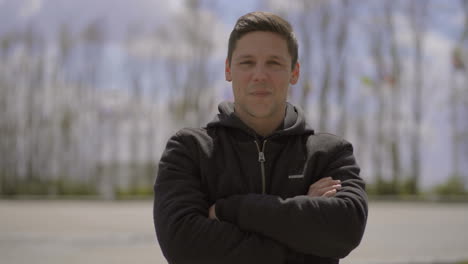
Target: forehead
260,43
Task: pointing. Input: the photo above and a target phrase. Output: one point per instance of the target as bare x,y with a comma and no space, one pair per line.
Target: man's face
261,73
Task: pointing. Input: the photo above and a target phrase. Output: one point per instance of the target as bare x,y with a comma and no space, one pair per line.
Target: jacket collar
293,124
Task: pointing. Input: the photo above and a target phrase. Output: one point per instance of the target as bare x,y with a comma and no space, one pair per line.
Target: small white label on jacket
297,176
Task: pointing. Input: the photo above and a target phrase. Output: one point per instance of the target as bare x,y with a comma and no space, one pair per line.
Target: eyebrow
277,58
247,56
243,57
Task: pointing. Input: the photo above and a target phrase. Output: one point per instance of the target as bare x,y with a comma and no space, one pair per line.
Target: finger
321,191
212,212
325,182
328,180
329,193
328,188
315,191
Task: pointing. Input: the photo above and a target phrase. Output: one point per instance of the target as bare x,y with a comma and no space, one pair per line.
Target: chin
261,113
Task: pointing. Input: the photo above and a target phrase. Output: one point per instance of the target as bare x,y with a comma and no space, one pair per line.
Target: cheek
242,77
282,82
237,90
240,81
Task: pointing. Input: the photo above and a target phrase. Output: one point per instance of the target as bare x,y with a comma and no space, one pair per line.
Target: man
256,185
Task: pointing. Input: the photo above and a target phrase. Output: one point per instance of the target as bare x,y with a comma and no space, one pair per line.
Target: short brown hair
263,21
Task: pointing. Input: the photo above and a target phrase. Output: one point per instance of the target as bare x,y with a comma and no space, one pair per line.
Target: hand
325,187
212,212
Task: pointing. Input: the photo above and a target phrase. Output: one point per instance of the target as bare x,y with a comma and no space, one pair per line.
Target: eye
246,62
274,63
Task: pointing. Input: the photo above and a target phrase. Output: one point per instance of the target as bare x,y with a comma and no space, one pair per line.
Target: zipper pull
261,156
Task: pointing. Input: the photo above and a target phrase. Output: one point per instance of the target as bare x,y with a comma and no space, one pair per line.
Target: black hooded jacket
259,186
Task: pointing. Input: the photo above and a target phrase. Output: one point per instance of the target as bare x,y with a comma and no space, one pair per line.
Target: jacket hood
293,124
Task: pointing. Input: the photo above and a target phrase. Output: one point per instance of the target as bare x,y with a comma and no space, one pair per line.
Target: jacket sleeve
326,227
183,229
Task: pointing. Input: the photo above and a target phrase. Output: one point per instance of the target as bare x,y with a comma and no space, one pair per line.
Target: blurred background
90,91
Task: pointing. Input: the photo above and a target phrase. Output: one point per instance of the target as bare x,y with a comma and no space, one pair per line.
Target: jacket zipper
261,159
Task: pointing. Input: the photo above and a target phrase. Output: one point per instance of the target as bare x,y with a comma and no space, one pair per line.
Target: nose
259,74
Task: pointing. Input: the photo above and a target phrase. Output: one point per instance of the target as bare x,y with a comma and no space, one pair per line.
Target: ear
227,71
295,74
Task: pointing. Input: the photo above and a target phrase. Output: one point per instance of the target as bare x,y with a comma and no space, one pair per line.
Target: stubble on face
261,74
262,104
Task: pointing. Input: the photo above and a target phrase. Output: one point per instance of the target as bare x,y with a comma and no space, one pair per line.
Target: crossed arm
325,187
184,231
324,222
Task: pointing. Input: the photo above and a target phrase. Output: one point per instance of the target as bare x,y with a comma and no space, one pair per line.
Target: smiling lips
260,93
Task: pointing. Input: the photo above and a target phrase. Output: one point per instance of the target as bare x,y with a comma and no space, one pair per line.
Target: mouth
260,93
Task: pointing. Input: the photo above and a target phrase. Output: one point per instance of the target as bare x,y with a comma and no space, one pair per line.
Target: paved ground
56,232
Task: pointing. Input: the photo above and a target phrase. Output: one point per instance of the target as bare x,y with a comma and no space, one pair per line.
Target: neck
264,126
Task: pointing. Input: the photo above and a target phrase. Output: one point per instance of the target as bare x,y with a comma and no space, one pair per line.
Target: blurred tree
92,37
188,64
323,31
459,94
92,41
67,43
453,186
418,18
376,43
393,81
8,128
62,115
306,31
464,43
342,52
386,84
36,146
325,16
